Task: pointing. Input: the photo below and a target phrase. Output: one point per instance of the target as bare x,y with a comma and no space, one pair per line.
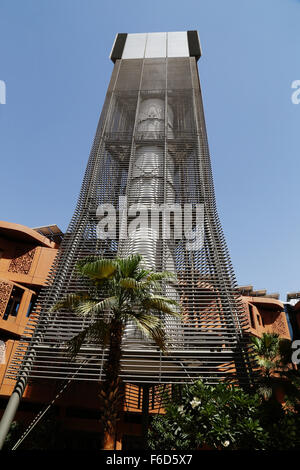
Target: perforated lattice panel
151,147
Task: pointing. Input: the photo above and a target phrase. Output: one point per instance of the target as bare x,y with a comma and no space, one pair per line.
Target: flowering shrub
220,417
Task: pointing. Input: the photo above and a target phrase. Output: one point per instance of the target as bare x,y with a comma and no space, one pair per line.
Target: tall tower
149,163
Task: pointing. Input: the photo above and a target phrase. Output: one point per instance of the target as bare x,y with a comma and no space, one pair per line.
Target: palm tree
118,291
266,349
276,374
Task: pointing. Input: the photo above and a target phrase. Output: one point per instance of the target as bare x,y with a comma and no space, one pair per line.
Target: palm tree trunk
109,441
112,389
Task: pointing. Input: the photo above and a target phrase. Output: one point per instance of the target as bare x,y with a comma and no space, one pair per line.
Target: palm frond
98,331
158,335
164,275
128,266
100,269
146,320
89,307
161,304
267,345
149,285
105,305
140,286
151,327
129,283
265,363
265,391
75,343
141,273
70,302
167,300
255,341
85,308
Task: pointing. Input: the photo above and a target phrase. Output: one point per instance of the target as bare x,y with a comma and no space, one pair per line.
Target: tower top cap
156,45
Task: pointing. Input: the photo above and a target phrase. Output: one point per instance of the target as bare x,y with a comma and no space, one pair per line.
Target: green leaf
100,269
70,302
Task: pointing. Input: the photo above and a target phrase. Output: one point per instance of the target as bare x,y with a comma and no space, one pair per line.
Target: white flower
180,409
226,443
195,402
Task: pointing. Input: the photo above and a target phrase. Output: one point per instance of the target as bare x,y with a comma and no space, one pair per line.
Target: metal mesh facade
150,146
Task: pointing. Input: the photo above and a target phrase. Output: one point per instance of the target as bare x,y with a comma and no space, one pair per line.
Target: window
31,304
251,316
13,304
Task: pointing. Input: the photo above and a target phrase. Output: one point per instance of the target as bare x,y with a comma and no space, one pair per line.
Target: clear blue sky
54,61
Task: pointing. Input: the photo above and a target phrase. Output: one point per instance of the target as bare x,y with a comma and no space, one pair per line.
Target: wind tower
150,153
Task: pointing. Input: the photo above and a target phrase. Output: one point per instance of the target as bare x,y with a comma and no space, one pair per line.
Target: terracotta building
266,313
26,256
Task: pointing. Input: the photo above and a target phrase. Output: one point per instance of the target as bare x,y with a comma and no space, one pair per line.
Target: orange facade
266,315
26,257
